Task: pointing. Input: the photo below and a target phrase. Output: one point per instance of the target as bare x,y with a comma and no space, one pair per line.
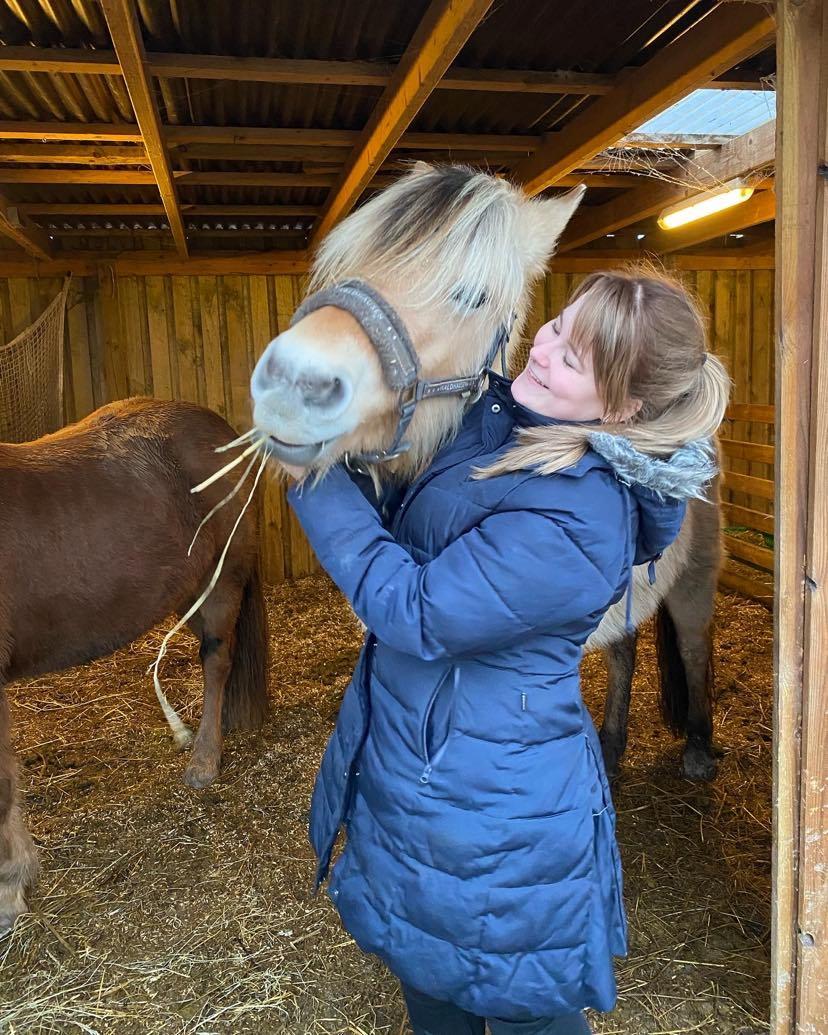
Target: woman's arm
519,570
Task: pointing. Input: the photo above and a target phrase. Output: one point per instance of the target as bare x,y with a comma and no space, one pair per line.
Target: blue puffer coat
481,861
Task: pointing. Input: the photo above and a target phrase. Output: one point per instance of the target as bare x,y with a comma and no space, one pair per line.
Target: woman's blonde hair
647,339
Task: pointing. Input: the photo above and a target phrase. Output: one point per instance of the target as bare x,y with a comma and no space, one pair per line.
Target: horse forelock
447,236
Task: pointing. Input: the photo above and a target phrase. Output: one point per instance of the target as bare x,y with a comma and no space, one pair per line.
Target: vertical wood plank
133,315
211,337
799,948
761,370
20,305
185,341
237,330
158,330
6,322
740,366
79,350
116,378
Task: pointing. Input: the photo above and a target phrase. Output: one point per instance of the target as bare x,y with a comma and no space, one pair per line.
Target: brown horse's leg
18,862
217,625
620,668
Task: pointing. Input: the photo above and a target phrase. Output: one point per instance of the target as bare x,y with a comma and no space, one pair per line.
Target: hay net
31,376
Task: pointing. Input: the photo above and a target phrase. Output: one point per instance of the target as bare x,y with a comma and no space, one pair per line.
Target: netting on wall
31,376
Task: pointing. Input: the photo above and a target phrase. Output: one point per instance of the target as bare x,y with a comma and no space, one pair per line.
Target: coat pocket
438,719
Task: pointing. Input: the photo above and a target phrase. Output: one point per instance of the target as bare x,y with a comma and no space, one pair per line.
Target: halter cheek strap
398,358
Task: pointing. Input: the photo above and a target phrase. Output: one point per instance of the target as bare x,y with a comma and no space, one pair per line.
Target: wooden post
799,992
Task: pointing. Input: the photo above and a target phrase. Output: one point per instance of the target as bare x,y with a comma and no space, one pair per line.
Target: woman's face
556,382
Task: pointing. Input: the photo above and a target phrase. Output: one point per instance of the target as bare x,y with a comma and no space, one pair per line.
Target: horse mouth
298,455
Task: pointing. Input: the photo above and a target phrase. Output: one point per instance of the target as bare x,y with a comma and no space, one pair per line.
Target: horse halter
398,359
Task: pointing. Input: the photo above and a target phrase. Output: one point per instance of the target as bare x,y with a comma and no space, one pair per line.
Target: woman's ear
631,409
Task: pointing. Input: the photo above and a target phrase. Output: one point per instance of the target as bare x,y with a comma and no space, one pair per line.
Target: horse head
432,273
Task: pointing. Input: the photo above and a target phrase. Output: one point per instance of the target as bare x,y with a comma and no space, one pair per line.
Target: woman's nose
539,354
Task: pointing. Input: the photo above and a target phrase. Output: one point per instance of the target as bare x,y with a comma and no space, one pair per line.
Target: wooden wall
197,338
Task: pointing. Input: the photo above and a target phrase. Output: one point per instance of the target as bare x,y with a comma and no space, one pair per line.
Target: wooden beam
508,80
750,553
731,578
331,73
729,34
741,156
137,177
261,153
737,450
151,263
799,939
57,59
757,412
748,518
761,208
31,238
73,154
123,132
679,141
441,34
299,71
71,209
280,136
129,46
230,262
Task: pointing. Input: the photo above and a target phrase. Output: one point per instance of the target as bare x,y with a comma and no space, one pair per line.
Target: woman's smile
535,377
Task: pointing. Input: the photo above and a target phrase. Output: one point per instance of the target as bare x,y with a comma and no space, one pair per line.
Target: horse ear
549,217
419,168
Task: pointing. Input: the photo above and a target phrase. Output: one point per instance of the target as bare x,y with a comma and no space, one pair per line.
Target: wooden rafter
743,155
761,208
53,208
72,154
284,261
31,238
129,47
309,72
729,34
137,177
123,132
445,28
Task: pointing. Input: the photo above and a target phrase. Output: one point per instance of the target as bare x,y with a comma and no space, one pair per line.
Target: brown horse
453,253
95,525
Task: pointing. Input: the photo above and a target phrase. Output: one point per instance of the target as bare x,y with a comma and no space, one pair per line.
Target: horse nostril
321,392
274,369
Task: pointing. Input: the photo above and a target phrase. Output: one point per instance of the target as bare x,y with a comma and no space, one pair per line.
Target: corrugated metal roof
578,35
715,113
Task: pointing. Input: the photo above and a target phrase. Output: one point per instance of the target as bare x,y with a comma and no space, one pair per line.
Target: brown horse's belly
89,593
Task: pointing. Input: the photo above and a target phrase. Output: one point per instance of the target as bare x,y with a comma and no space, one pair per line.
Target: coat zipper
425,776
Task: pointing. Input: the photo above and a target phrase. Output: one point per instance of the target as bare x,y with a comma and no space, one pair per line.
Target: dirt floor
161,909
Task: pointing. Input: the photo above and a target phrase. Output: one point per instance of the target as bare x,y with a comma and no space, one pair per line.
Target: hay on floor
164,910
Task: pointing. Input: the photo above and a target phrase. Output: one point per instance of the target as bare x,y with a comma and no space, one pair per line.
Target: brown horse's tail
675,692
245,695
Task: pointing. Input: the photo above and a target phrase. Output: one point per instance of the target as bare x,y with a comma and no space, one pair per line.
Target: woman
481,861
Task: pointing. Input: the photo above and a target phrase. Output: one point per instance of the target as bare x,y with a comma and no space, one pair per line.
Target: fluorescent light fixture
702,205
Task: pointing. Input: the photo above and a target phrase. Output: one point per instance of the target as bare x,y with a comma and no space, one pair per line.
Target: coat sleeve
518,571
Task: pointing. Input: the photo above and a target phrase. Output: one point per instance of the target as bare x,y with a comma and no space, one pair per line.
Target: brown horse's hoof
201,773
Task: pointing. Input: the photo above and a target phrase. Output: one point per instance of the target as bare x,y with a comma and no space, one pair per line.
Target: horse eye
466,300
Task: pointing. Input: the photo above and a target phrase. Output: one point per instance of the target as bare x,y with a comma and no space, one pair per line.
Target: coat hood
658,486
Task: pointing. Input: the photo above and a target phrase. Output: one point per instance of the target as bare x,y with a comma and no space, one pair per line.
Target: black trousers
434,1017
